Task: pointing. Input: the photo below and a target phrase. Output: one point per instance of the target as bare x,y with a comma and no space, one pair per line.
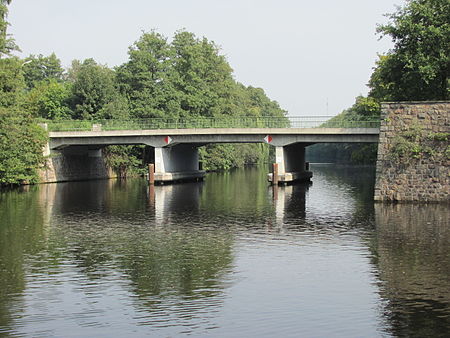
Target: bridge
175,142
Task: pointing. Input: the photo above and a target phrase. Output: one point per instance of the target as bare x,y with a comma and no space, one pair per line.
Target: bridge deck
158,137
218,131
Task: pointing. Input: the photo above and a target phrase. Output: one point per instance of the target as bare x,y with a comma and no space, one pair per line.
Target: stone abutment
413,163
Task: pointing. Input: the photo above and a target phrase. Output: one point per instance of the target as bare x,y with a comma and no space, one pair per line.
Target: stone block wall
413,163
75,164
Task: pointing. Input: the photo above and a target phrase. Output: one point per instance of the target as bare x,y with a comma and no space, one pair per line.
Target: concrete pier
177,163
291,164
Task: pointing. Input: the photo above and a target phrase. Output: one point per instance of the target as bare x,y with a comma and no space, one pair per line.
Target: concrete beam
156,138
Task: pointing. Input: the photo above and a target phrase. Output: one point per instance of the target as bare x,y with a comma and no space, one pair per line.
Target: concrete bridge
176,149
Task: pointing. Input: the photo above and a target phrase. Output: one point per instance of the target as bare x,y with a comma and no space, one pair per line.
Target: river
228,257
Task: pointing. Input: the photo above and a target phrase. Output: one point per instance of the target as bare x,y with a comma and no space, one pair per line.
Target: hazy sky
302,53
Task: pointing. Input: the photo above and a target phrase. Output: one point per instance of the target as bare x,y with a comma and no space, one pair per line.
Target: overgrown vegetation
415,144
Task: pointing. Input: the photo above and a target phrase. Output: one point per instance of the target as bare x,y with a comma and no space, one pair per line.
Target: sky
312,57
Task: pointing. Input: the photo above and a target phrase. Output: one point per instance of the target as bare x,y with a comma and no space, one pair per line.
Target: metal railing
204,122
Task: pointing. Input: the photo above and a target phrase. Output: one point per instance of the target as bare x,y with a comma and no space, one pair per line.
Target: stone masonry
421,173
75,164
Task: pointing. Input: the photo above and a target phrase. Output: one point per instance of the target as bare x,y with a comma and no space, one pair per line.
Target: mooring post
307,166
151,195
151,173
275,174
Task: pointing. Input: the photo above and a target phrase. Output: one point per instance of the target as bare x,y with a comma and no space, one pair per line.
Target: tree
39,68
7,44
21,144
49,100
145,79
94,92
418,66
202,76
11,81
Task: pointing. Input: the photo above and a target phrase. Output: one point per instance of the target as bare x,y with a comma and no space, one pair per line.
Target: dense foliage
40,68
418,67
21,139
21,145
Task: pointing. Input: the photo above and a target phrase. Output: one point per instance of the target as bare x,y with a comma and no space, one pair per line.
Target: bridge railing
205,122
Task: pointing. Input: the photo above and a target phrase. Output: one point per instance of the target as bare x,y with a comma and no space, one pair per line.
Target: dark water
228,257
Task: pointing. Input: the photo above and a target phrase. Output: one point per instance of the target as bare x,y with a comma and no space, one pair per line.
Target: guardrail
203,122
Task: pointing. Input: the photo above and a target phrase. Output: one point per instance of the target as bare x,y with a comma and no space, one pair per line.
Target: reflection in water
227,257
412,250
152,238
21,234
290,202
169,201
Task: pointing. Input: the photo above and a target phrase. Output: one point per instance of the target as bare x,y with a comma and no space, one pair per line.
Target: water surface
226,257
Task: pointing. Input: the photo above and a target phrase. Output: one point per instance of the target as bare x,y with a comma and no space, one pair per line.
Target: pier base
177,163
180,176
290,164
301,176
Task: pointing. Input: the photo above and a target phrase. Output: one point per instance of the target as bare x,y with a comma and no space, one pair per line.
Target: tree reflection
22,236
412,248
153,236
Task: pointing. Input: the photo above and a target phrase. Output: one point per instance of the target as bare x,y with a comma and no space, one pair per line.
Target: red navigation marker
167,139
268,139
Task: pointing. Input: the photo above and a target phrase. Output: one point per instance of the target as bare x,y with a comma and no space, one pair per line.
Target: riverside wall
413,163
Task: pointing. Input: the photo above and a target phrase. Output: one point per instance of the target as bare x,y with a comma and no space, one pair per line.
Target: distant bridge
176,141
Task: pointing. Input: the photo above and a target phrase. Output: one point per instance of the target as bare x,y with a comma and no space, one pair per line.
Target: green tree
7,44
21,139
21,147
259,104
201,75
94,92
49,100
146,80
39,68
418,66
11,81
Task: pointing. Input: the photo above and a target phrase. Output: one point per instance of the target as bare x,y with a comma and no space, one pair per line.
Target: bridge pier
177,163
291,164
